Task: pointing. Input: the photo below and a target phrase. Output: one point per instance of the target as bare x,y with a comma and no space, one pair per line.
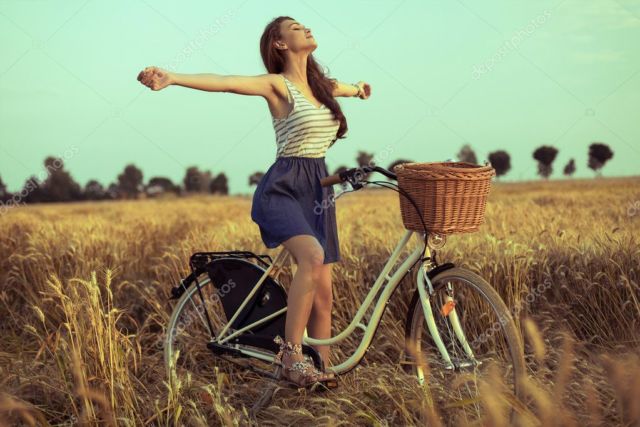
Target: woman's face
296,36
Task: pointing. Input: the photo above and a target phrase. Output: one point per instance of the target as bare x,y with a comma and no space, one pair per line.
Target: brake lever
355,183
355,176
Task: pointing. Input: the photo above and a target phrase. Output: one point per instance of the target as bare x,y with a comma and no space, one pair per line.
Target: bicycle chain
260,372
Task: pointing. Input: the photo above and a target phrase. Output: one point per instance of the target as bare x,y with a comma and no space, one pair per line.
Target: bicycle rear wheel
191,329
490,334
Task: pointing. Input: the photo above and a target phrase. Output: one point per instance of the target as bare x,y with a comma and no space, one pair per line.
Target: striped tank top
308,131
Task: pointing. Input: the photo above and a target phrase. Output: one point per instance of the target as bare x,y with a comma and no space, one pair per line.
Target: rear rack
199,260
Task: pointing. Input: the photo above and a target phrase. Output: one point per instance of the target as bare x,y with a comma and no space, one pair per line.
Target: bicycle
448,321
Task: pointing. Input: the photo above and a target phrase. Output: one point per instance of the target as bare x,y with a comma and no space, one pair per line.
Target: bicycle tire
416,328
240,385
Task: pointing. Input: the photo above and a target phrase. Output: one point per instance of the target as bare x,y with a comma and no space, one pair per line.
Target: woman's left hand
366,90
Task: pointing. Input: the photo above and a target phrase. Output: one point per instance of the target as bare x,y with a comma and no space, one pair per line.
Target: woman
289,205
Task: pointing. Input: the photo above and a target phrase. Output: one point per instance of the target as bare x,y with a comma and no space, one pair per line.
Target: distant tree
206,181
196,180
500,161
31,191
5,195
545,155
130,182
365,159
59,186
219,185
3,191
160,184
255,178
113,192
192,179
466,154
340,169
93,190
599,154
570,168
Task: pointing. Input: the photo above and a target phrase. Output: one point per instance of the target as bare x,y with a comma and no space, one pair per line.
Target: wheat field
86,286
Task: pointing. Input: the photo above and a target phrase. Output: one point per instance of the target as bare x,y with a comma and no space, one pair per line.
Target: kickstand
267,395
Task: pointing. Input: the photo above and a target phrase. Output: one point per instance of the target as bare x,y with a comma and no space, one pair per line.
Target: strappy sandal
331,382
301,373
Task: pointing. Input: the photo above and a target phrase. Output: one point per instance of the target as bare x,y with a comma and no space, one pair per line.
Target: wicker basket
450,195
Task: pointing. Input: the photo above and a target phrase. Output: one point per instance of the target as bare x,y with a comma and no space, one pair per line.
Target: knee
314,262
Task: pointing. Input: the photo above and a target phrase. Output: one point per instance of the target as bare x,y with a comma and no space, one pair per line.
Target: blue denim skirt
290,201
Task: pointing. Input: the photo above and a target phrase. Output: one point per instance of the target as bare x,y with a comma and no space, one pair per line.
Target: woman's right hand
155,78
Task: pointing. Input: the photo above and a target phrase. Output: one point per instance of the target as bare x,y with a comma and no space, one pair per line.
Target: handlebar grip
330,180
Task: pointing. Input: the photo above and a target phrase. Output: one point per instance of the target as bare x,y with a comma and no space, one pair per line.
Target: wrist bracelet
359,89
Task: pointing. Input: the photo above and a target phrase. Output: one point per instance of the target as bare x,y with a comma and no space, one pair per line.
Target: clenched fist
366,89
155,78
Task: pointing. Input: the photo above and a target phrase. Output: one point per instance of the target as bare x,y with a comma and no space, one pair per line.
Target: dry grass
85,292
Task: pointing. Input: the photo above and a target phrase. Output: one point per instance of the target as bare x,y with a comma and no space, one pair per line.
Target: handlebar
355,175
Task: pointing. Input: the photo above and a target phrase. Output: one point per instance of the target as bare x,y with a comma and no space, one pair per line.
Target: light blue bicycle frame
388,282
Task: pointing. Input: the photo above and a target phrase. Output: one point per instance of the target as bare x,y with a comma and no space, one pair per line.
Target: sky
495,74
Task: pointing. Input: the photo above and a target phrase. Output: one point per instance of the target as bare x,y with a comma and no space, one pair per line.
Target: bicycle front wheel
479,335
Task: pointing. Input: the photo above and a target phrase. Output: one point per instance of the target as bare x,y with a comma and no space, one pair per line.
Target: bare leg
319,325
309,257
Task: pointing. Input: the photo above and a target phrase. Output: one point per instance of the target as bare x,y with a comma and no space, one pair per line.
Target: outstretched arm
157,78
260,85
349,90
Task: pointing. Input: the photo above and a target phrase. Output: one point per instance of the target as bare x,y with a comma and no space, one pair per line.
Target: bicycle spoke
189,339
483,323
454,346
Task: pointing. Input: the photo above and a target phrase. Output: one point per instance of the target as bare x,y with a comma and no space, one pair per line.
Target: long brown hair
321,86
